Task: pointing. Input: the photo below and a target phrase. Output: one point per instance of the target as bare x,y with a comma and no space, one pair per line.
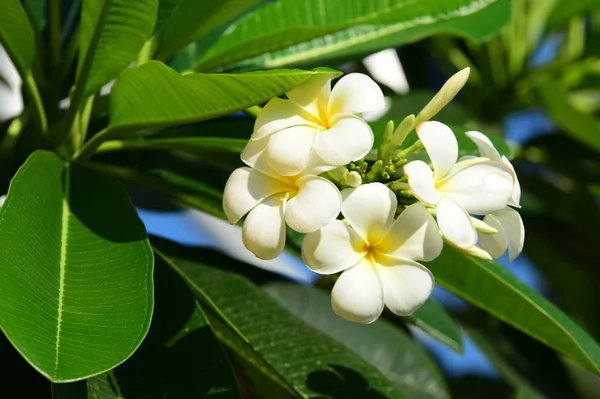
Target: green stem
12,133
253,111
90,147
398,185
415,147
36,101
147,51
78,96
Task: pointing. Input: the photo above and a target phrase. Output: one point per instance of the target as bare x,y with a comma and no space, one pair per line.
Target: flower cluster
371,217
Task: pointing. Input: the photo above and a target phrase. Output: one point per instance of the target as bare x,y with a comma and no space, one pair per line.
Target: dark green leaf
512,376
76,291
196,145
180,357
111,34
555,99
16,34
153,95
563,10
342,28
302,360
183,21
489,286
435,321
381,343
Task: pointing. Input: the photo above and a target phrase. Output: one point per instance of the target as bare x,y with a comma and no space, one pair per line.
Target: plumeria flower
318,121
376,253
475,185
508,222
305,202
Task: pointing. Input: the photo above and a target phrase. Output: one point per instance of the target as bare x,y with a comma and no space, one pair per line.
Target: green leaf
111,34
183,21
436,322
563,10
491,287
300,359
154,95
76,291
382,344
342,28
554,98
180,357
16,34
196,145
466,146
508,372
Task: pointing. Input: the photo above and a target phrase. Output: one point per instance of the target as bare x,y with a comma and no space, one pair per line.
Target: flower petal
277,115
245,189
420,181
370,210
357,295
263,232
511,234
484,145
288,151
414,235
515,197
455,224
333,248
406,284
348,139
255,155
313,94
317,203
441,146
480,187
355,93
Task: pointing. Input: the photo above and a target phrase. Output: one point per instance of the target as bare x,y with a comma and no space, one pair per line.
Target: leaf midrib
64,233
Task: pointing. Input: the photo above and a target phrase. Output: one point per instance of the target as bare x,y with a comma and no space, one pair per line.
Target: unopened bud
396,139
353,179
444,96
483,227
476,252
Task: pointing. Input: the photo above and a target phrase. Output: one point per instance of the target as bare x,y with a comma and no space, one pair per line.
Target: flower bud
483,227
476,252
353,179
444,96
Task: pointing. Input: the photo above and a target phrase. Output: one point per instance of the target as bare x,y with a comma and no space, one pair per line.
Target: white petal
421,183
414,235
317,203
289,150
484,145
348,139
245,189
481,188
370,210
455,224
511,234
263,232
333,248
515,197
441,146
406,284
255,155
357,295
277,115
355,93
313,94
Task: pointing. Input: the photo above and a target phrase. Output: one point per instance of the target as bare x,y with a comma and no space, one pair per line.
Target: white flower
376,254
508,222
305,202
318,123
477,186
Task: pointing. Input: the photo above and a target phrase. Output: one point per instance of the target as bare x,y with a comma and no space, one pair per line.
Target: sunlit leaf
76,291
